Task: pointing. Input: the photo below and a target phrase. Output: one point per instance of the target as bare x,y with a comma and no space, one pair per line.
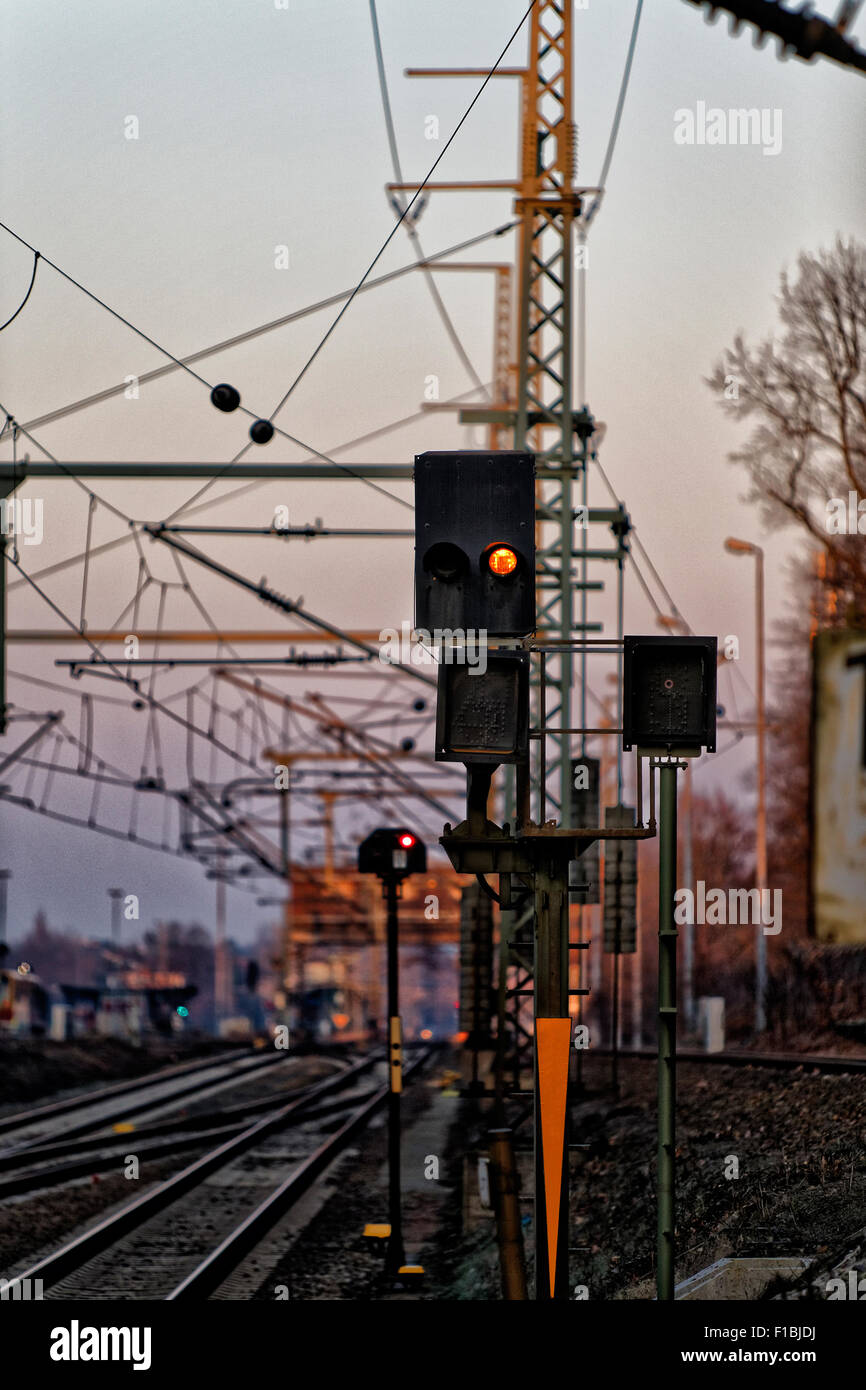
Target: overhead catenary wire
360,285
139,694
18,428
407,209
183,364
27,295
129,537
177,364
617,116
410,224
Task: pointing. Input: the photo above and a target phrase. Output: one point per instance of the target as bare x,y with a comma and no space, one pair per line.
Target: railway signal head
393,854
475,542
669,694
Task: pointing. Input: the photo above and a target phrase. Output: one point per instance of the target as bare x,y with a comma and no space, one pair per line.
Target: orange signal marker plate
552,1044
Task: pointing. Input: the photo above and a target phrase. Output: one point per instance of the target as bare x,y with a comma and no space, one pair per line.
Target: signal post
474,570
393,855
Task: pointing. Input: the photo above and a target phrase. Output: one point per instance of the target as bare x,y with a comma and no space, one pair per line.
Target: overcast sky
260,128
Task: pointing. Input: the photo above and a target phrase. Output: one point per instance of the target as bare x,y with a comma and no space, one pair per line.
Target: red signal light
407,841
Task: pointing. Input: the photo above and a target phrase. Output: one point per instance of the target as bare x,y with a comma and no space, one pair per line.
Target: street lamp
737,547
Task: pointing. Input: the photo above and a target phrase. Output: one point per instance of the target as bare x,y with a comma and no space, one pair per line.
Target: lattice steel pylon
548,206
545,421
535,948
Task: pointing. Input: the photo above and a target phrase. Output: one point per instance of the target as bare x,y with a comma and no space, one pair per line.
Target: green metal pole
667,1029
3,718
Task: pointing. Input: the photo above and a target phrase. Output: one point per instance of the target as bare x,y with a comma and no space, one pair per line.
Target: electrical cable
177,364
27,295
386,243
617,117
410,224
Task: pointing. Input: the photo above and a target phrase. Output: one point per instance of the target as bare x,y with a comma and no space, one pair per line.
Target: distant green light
183,1011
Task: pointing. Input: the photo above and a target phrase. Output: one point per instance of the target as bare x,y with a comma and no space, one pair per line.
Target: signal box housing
468,503
484,718
669,693
384,852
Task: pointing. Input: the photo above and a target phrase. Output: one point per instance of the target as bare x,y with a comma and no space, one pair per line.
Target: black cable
27,295
133,685
102,304
413,233
617,117
20,429
145,377
390,237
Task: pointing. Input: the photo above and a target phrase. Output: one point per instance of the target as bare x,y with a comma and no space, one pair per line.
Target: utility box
669,694
475,542
711,1022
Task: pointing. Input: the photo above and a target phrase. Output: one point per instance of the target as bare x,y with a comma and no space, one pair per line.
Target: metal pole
761,837
637,990
667,1029
115,894
5,875
222,990
689,933
578,1065
395,1256
506,1202
614,1053
3,720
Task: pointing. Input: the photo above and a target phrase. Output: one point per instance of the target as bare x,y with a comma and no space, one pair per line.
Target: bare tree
804,389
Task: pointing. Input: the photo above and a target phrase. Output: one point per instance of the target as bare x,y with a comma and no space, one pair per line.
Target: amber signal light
502,561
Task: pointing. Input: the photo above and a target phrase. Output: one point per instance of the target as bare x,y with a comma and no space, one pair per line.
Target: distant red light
407,841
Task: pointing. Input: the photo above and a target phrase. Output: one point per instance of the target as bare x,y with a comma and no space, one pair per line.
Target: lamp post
737,547
393,854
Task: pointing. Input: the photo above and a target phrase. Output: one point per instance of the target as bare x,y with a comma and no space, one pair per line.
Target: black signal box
475,542
392,854
484,718
669,693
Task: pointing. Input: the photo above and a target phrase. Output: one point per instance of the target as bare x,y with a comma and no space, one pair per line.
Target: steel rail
233,1249
111,1229
154,1129
257,1063
98,1159
22,1118
782,1061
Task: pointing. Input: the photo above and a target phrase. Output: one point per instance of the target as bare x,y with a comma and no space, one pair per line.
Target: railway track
186,1235
22,1118
163,1139
781,1061
89,1113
